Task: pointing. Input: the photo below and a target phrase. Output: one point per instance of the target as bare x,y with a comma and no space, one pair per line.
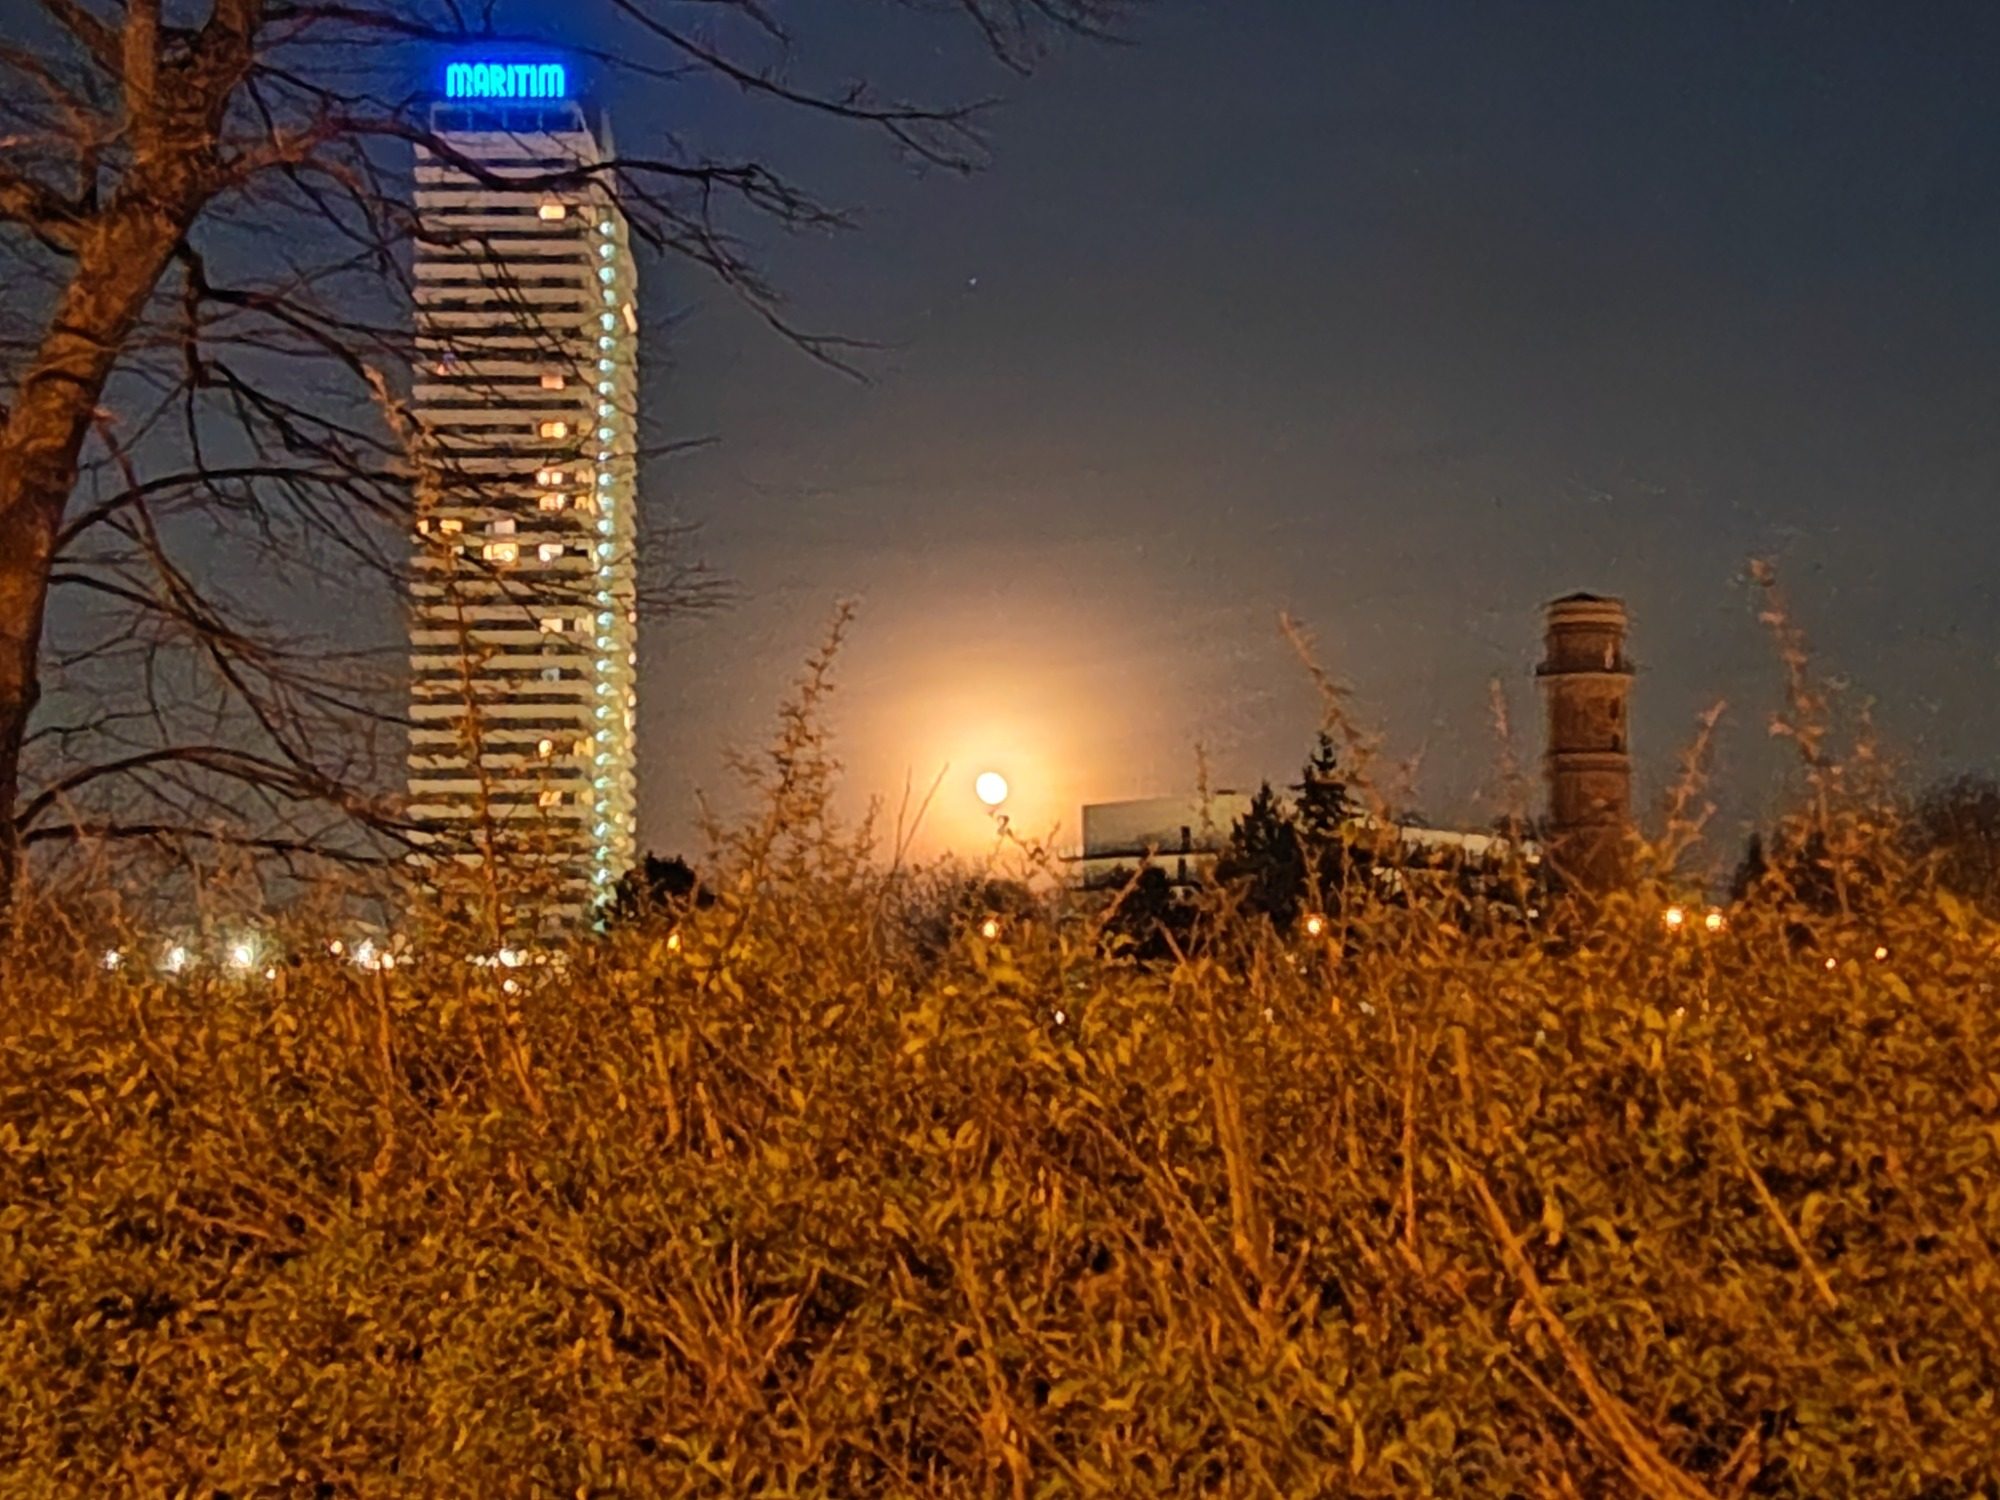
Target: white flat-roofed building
1184,836
523,616
1181,835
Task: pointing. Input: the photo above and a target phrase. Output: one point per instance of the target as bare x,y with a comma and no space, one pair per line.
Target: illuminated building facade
523,620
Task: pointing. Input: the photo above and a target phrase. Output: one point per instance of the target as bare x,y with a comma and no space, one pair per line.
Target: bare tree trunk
118,264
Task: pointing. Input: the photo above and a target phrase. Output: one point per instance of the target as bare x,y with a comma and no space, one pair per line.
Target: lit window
551,381
551,625
545,749
504,552
424,527
549,476
555,429
549,551
553,501
550,799
502,527
554,211
631,319
451,524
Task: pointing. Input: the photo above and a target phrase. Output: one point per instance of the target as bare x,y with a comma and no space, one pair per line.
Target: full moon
991,788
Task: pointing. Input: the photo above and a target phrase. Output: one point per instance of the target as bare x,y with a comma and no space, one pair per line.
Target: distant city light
176,959
1714,921
990,928
1675,918
113,958
1315,925
991,788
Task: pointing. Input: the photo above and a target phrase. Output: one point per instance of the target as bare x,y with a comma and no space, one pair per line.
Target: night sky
1401,317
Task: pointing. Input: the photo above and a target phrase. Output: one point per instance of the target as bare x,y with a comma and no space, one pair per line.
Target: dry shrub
772,1204
765,1212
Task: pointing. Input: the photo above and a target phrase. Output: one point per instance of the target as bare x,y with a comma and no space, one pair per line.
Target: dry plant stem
1613,1421
1687,815
1250,1231
1821,1286
1338,720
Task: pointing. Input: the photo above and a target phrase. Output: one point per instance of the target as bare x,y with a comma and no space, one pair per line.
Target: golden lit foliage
780,1208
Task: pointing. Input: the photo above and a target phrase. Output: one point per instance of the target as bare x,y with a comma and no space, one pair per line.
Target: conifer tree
1266,860
1324,807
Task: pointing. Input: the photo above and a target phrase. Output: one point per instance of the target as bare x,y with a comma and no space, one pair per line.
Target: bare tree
205,332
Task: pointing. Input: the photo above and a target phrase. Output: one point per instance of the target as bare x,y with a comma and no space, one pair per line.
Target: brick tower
1588,684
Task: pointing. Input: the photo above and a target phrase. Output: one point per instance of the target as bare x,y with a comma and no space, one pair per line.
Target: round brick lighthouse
1588,684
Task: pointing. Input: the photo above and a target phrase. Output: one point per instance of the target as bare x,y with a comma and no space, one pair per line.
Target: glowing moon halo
991,788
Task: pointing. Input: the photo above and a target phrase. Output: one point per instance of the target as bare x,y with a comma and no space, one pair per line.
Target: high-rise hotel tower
523,628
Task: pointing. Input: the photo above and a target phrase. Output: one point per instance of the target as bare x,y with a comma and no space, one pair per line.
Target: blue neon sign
505,80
